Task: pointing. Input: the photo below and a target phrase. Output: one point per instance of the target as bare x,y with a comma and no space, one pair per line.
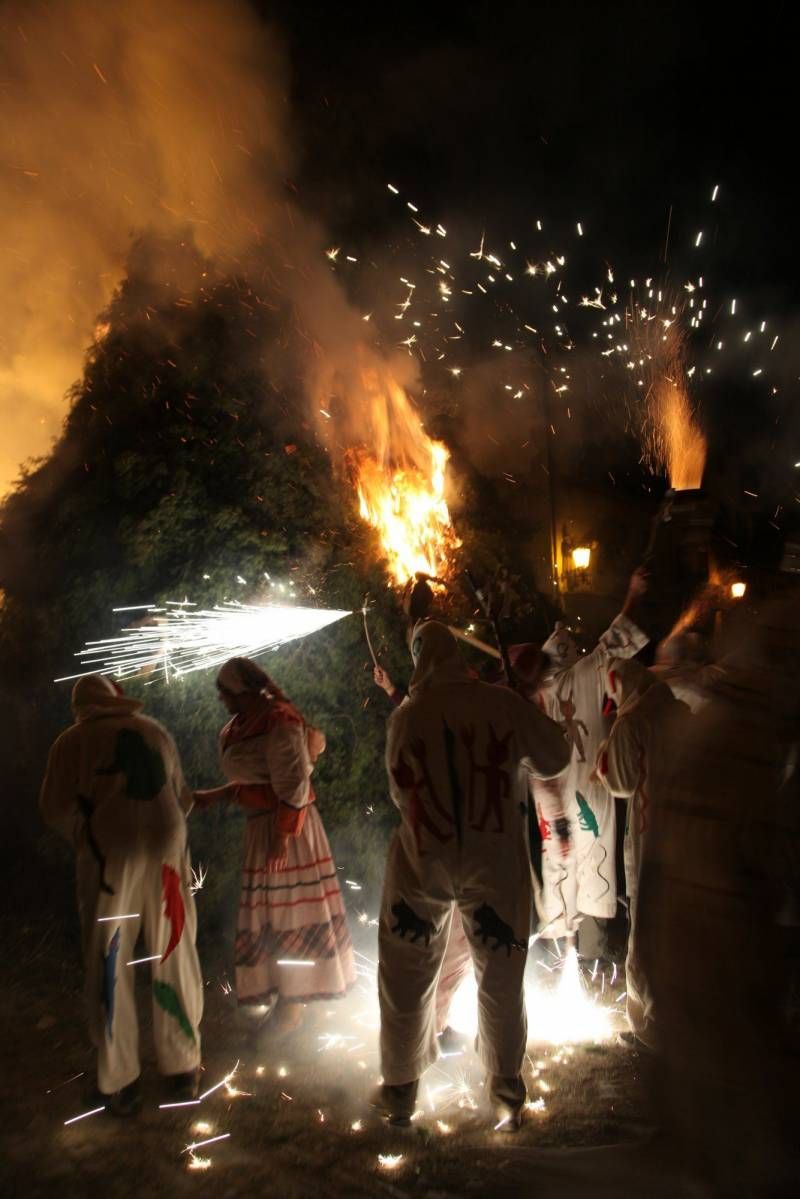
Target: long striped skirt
292,938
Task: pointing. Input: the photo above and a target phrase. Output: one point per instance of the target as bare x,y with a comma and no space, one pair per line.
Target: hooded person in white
633,764
573,694
115,790
683,662
458,756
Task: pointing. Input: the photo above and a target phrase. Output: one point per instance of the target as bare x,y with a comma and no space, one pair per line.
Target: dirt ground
302,1126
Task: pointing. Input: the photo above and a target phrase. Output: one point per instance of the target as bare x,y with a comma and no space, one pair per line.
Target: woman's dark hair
256,679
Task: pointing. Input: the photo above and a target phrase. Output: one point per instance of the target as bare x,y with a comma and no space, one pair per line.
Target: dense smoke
115,119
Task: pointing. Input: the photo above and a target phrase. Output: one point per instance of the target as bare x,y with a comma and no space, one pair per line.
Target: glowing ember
389,1161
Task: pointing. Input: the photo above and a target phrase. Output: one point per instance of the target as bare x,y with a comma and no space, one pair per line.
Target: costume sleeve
397,695
289,773
59,795
622,639
546,751
619,760
395,736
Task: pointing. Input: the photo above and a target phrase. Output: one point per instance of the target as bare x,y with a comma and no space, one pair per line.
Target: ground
302,1127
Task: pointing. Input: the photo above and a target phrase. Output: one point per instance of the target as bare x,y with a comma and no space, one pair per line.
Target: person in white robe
458,756
632,764
115,790
579,892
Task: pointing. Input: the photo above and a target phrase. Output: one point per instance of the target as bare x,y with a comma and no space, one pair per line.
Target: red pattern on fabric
291,904
286,869
289,820
174,909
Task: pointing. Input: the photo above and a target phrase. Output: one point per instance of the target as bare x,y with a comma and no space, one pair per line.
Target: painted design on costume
544,827
572,727
467,736
141,764
409,922
407,781
110,981
167,999
174,909
587,819
87,811
455,781
497,783
616,641
489,927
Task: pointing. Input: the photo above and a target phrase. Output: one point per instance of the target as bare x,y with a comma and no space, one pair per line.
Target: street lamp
581,556
738,590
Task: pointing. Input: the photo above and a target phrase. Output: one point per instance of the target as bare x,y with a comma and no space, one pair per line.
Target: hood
96,695
625,681
436,657
686,649
561,648
528,663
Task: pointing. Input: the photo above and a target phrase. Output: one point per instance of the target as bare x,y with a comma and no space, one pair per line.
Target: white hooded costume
683,662
633,764
458,756
573,695
114,788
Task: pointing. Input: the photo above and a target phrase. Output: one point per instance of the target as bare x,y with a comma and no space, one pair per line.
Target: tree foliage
180,470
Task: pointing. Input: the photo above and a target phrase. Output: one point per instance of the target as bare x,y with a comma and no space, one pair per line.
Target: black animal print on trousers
489,927
409,922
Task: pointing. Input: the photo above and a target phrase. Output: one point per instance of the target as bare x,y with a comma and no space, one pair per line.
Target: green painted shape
167,998
142,765
586,818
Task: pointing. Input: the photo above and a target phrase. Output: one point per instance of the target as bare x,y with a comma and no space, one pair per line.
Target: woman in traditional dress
291,909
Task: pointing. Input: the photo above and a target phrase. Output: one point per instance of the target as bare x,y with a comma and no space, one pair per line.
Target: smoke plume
119,118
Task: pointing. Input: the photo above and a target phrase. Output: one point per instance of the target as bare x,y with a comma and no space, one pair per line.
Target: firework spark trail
176,641
537,298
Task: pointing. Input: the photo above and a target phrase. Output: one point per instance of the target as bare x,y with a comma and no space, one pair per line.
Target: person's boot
183,1088
125,1102
507,1096
396,1104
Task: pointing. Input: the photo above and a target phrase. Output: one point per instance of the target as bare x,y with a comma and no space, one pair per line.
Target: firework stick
375,661
473,641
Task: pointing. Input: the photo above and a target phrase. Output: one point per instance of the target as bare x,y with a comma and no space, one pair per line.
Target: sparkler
85,1115
176,640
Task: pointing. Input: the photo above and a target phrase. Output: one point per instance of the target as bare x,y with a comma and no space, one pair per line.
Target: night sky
613,114
610,112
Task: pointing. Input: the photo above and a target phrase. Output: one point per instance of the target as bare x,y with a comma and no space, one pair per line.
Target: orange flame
672,438
399,474
683,444
407,507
